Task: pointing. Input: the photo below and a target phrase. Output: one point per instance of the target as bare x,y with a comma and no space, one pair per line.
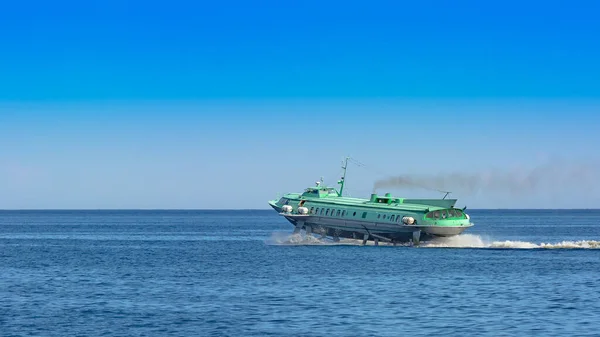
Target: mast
341,182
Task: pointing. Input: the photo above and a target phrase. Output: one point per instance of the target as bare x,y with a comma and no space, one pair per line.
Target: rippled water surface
241,273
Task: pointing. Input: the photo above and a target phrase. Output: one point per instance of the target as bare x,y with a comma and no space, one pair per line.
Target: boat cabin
387,199
320,192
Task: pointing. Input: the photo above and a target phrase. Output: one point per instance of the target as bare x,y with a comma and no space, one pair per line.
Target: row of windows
392,218
342,213
444,214
437,215
327,212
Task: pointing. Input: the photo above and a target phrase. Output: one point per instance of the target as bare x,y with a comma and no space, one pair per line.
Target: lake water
241,273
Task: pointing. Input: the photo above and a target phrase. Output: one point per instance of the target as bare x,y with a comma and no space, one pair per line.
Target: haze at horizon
141,105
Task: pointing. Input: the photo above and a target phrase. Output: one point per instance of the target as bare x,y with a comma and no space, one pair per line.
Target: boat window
391,218
344,213
317,211
384,216
337,213
311,191
398,219
354,214
364,215
322,210
378,216
327,213
446,214
312,210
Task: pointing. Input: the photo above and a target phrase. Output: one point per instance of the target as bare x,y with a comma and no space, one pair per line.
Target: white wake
582,244
459,241
301,239
476,241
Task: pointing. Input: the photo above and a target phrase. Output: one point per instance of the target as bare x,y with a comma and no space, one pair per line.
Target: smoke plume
552,178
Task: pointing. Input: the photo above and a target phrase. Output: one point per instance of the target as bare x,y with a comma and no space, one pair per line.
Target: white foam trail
513,244
301,239
582,244
279,238
459,241
476,241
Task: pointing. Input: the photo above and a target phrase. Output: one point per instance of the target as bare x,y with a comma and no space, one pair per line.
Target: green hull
323,210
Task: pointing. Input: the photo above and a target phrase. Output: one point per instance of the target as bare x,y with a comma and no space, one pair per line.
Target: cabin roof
320,192
404,203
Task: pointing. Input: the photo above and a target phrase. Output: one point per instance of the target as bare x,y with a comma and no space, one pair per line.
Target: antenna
341,182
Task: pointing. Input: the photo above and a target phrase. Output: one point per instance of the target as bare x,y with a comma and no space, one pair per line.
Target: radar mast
341,182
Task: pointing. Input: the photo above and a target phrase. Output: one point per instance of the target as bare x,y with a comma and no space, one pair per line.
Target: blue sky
112,104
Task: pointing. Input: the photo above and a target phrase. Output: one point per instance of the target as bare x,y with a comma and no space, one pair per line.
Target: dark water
236,273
